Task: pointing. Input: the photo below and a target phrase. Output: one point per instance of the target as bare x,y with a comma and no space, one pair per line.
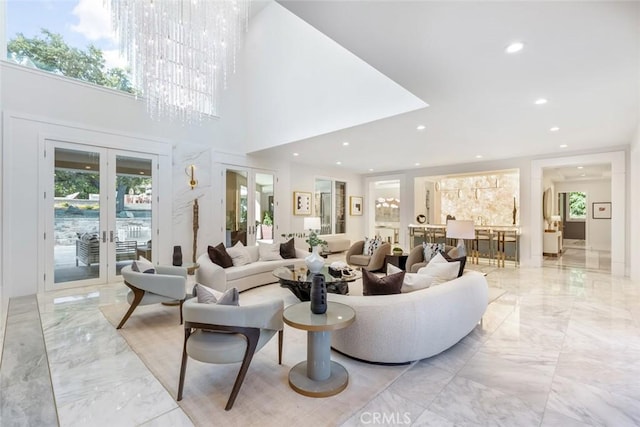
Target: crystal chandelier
180,51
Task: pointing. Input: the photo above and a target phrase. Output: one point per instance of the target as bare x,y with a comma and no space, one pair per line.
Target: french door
100,212
248,205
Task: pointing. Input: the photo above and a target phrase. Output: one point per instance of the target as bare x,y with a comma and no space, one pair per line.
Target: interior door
248,206
100,213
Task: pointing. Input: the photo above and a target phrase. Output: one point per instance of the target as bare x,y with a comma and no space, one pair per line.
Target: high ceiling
583,57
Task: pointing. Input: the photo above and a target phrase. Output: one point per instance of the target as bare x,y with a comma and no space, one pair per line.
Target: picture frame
355,205
301,203
601,210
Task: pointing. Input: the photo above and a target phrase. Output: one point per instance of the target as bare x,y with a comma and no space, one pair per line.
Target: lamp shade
461,229
556,218
312,223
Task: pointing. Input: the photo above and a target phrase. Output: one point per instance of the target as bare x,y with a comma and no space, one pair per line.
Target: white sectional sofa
411,326
256,273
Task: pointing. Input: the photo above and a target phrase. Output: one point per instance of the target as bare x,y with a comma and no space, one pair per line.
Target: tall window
577,205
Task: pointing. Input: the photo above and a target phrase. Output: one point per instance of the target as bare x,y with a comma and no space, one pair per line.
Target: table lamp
461,229
555,219
312,223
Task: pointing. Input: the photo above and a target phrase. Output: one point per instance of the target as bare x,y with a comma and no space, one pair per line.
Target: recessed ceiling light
584,174
478,156
541,101
554,129
421,127
87,167
580,167
563,145
345,143
338,162
417,164
514,47
296,154
141,172
371,170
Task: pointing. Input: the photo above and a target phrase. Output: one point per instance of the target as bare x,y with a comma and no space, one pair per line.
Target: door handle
111,236
104,237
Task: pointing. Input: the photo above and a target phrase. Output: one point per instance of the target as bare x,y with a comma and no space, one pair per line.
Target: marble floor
559,348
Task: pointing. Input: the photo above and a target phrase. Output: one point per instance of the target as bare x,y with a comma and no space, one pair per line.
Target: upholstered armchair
223,334
167,284
372,262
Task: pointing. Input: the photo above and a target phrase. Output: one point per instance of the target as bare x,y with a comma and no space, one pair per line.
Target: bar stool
502,239
483,239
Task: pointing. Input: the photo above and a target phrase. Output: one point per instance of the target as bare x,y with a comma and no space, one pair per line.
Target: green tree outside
577,205
51,53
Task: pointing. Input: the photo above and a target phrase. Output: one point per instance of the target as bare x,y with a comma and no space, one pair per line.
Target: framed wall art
601,210
355,205
301,203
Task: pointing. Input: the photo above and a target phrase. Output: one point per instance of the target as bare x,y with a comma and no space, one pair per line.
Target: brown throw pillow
387,285
462,259
219,255
288,249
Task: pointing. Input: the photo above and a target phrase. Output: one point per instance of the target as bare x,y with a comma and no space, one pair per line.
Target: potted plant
397,250
267,226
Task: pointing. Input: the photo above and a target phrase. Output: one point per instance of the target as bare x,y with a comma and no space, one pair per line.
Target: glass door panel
264,206
133,210
236,206
77,211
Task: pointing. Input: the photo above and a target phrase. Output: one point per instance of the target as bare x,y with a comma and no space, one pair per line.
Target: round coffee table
318,376
297,279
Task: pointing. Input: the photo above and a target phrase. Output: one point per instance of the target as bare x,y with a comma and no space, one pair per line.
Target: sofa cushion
288,249
219,255
412,281
239,272
207,295
370,245
239,254
441,269
269,251
387,285
143,265
431,249
462,260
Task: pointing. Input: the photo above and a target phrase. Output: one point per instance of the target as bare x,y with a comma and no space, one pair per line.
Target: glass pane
236,207
264,206
77,246
133,210
387,210
322,202
341,201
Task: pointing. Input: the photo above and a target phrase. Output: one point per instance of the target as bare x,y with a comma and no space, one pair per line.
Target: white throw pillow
412,281
441,269
239,254
143,265
207,295
269,252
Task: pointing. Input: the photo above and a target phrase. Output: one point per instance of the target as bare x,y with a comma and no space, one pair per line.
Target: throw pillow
239,254
370,245
440,269
143,265
431,249
219,255
412,281
387,285
288,249
207,295
268,251
462,260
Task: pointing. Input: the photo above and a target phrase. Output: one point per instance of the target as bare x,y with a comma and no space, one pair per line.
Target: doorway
100,213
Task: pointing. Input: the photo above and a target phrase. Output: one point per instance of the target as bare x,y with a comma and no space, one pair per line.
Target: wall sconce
190,171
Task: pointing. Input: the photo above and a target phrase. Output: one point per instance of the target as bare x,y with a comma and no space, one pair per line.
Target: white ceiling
584,57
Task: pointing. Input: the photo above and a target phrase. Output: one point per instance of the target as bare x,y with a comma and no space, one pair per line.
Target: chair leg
183,367
137,297
280,335
252,343
181,303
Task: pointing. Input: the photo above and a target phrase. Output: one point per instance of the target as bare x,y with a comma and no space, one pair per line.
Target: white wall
36,105
598,231
634,207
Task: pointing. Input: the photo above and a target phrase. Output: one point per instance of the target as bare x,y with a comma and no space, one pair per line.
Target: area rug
154,334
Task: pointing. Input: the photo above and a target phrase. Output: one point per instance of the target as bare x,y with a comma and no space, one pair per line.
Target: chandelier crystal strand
180,51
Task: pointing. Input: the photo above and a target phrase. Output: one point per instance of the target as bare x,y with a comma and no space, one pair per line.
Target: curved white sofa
412,326
243,277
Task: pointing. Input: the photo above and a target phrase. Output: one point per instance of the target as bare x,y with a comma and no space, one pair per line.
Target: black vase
177,256
318,295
